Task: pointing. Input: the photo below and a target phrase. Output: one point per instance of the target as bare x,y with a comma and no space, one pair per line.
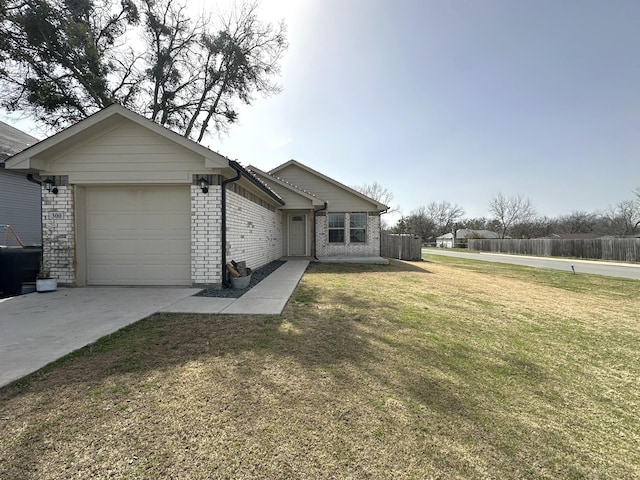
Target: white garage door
138,235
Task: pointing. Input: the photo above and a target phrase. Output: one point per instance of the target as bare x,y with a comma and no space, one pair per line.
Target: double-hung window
358,228
336,227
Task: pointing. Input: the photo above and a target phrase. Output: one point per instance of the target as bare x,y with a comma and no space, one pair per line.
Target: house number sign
56,216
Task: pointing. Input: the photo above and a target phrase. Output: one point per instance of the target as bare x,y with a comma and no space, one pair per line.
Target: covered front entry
297,235
138,235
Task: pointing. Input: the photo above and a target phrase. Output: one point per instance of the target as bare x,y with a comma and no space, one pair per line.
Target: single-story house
129,202
448,240
19,198
445,241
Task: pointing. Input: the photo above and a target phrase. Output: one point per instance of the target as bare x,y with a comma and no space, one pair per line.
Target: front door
297,235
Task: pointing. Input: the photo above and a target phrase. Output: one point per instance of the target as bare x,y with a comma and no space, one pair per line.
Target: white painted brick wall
254,233
370,248
206,246
58,234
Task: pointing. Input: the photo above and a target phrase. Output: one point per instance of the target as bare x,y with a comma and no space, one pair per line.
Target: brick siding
206,245
368,249
58,234
254,233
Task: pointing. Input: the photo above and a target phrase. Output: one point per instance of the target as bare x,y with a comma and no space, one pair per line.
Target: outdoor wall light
50,185
204,185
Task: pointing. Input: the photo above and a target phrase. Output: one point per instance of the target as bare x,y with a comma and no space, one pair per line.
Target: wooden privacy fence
403,246
620,249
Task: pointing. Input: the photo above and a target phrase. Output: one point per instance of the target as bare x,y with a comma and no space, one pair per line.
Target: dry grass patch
443,369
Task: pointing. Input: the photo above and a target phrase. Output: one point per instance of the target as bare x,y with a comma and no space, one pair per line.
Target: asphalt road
623,270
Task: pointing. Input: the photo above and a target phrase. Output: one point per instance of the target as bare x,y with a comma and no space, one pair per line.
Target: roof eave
380,207
246,174
315,201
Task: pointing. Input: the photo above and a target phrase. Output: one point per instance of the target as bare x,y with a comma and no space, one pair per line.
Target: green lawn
447,368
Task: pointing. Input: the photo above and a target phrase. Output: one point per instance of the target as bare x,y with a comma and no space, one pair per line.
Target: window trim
363,228
343,228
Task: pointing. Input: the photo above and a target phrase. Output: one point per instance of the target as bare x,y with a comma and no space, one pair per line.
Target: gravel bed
257,276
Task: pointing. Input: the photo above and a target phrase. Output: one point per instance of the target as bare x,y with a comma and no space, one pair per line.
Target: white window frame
364,227
343,228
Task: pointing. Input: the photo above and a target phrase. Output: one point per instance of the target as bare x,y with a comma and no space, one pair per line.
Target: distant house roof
446,236
13,141
573,236
469,233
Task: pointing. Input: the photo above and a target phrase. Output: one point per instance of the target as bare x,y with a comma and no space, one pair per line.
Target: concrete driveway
38,328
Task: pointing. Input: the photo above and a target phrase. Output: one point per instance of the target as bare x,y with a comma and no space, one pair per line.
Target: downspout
33,180
315,229
223,278
386,210
38,182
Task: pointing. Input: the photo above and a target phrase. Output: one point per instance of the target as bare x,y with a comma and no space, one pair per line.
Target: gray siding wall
20,207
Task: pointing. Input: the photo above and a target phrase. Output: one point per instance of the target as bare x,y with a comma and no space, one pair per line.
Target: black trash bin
18,265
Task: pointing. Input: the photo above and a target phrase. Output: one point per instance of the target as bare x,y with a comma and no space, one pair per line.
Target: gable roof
273,172
283,183
13,141
26,159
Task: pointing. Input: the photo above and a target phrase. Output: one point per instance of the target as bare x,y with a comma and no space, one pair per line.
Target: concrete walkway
38,328
269,297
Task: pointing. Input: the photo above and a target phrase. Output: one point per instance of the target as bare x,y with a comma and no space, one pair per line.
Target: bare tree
577,222
419,223
509,210
237,61
377,192
55,60
62,60
623,218
431,220
445,216
380,194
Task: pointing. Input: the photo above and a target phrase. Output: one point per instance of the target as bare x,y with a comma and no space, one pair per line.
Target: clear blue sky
457,100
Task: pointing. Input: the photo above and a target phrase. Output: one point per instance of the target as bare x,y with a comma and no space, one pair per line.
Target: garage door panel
138,235
109,250
110,222
160,221
157,250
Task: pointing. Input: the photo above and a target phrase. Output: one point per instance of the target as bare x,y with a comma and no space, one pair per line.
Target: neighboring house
445,241
19,198
462,236
129,202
